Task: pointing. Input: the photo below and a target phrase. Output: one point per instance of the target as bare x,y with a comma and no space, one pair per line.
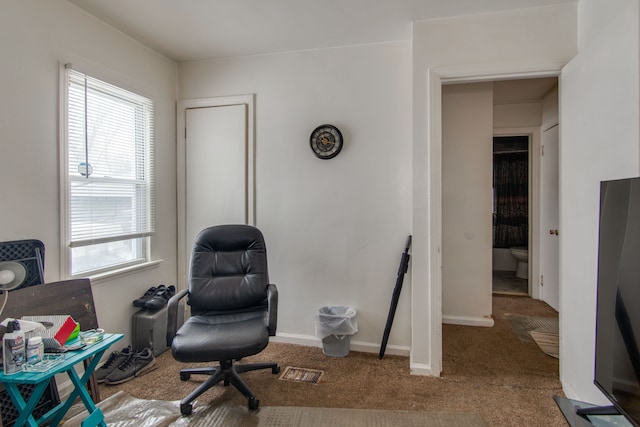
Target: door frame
181,129
533,282
426,349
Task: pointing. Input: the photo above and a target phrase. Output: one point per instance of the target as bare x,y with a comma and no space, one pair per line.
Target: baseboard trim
468,321
363,346
422,369
306,340
367,347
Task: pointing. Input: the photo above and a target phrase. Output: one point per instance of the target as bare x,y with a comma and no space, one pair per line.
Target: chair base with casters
227,372
220,338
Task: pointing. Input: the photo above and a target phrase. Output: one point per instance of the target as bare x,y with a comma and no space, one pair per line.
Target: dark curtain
510,186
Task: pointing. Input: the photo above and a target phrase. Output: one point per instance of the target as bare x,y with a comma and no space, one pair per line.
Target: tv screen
617,359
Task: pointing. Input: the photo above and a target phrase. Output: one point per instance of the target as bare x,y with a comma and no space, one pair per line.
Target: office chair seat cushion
222,337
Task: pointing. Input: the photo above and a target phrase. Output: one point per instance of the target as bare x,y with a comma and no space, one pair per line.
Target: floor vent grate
301,375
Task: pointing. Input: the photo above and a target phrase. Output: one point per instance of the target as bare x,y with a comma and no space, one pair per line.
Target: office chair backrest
228,269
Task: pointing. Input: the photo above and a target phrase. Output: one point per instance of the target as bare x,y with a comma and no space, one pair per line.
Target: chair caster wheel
186,409
275,370
253,403
184,376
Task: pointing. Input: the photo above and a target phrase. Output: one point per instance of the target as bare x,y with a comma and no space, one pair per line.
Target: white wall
335,228
528,42
35,36
599,110
467,141
523,115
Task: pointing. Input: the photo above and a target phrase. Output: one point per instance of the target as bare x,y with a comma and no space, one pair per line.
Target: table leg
79,390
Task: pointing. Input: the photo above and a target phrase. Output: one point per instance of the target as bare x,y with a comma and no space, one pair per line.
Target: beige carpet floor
486,371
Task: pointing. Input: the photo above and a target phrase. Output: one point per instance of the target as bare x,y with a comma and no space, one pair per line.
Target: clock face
326,141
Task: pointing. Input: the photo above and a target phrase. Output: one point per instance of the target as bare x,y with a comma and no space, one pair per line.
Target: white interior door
549,219
216,168
216,180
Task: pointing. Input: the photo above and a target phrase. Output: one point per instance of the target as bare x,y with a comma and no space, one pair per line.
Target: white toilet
521,254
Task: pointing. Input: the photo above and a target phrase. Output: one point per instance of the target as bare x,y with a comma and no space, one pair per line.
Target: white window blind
110,173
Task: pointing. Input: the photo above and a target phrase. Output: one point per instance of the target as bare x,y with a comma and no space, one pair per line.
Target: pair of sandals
155,297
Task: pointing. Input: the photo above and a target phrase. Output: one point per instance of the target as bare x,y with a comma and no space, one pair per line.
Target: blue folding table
41,380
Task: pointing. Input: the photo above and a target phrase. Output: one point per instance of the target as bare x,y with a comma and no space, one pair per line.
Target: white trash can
334,326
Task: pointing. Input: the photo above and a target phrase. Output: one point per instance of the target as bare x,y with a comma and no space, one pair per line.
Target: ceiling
191,30
522,90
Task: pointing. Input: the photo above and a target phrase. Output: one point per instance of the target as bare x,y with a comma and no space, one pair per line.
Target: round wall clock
326,141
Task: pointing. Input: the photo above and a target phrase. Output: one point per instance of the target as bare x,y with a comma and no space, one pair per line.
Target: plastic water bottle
13,348
35,350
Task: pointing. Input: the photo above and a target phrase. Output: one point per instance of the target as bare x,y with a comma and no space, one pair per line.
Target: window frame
145,261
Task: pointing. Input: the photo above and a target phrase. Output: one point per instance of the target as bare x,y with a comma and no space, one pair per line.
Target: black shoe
133,366
160,298
147,295
115,359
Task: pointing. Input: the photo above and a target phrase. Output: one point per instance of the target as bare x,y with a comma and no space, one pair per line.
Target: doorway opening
430,282
510,215
480,220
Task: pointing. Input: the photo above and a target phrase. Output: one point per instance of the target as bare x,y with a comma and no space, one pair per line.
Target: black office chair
233,309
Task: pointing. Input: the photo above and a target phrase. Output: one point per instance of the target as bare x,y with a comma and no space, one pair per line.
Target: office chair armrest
172,315
272,301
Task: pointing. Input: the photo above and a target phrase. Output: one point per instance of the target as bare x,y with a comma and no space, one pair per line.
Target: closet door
550,219
216,163
215,168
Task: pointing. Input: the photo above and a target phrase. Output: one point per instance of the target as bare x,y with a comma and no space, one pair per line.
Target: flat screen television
617,357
